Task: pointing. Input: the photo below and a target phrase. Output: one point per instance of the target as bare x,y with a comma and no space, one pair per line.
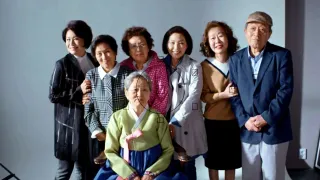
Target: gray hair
137,74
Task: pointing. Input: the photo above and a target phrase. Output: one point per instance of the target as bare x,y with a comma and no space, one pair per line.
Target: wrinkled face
138,49
218,40
74,44
138,93
257,35
177,45
105,56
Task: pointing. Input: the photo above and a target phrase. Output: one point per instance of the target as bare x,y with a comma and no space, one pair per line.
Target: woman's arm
207,96
118,164
91,116
161,89
57,92
167,149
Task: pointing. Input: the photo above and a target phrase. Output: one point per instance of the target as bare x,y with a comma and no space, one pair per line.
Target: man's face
257,35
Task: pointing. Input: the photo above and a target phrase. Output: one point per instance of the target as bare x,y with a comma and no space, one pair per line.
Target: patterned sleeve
161,88
58,93
91,116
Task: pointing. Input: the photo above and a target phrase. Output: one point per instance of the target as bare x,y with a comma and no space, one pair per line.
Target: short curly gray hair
137,74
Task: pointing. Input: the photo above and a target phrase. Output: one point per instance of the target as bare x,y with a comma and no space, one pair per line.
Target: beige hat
260,17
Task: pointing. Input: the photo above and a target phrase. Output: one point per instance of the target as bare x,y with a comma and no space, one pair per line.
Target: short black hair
180,30
135,31
104,38
81,29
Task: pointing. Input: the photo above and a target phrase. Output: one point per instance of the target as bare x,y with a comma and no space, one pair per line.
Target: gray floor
202,172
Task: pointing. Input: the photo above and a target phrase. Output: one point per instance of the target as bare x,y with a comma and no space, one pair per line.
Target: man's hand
260,122
86,86
250,124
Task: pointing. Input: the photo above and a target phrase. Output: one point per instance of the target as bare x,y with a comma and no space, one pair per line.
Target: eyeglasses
136,46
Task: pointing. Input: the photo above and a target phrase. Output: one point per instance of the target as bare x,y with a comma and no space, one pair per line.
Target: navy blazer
269,96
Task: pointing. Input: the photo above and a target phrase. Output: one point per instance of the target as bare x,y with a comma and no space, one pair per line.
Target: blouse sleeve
112,146
167,149
161,88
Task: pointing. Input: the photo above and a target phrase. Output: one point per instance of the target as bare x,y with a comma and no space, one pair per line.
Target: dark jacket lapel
246,67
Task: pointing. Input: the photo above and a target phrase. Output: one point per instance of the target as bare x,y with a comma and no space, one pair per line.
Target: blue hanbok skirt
140,161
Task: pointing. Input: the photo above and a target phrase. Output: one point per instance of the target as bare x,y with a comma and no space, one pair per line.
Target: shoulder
277,50
125,70
155,115
120,113
204,62
194,62
158,62
127,63
157,67
61,62
238,55
91,73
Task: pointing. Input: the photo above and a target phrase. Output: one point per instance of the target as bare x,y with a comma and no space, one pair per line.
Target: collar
81,58
112,73
214,61
259,55
145,65
182,62
133,113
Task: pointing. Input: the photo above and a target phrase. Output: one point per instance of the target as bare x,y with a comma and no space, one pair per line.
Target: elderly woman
138,143
137,44
107,94
185,76
67,86
221,125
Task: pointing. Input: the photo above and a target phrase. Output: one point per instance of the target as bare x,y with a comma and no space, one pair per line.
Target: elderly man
263,74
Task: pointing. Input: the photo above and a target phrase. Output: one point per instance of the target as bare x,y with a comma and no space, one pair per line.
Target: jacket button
185,132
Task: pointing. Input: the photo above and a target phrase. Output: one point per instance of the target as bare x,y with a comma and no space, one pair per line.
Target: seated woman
138,143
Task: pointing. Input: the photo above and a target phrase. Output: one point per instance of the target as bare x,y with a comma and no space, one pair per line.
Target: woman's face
177,45
105,56
74,44
138,93
138,49
218,40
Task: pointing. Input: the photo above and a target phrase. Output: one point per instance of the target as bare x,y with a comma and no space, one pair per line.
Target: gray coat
186,83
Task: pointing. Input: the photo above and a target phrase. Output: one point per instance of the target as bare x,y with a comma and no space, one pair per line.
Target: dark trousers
65,169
